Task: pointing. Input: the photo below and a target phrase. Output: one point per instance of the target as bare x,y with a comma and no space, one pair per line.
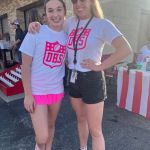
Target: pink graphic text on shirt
82,40
54,54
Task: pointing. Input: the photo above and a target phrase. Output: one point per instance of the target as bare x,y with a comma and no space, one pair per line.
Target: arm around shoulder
34,27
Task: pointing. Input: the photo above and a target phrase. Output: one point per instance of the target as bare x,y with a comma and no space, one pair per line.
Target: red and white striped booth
133,91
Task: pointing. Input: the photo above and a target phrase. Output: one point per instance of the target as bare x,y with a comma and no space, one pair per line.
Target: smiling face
82,8
55,13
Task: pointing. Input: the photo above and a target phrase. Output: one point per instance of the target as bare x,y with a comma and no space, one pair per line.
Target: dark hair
63,3
18,26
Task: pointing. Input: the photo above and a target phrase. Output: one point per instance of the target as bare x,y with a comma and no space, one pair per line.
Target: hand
90,64
29,103
34,27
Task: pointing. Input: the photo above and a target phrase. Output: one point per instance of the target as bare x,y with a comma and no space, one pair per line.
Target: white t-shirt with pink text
91,42
48,49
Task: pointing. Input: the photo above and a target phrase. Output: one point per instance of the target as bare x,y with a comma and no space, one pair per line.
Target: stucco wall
10,7
127,15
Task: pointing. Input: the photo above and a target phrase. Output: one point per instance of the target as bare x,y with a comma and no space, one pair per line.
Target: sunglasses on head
75,1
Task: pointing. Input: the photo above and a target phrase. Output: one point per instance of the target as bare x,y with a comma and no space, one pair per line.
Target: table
6,53
5,44
133,91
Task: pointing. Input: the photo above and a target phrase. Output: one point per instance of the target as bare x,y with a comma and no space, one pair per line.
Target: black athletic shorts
90,86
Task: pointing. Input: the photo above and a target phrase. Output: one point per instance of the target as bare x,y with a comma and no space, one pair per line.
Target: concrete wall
131,17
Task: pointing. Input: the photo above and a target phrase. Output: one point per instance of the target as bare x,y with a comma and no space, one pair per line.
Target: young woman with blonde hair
88,31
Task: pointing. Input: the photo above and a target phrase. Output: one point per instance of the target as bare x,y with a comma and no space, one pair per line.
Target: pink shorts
48,99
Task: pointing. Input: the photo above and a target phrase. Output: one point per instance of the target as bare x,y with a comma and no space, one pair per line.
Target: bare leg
79,108
40,124
94,116
52,113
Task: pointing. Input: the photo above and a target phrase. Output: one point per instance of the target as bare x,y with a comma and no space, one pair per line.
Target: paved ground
123,130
